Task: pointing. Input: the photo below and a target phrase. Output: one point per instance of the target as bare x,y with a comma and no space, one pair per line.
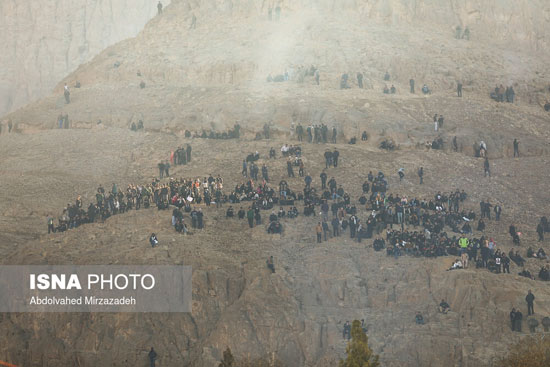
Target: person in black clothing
335,156
335,227
289,169
264,173
444,307
516,148
300,132
505,263
161,169
540,231
188,152
360,80
328,159
518,320
513,319
323,180
411,82
152,354
530,299
241,213
421,175
250,217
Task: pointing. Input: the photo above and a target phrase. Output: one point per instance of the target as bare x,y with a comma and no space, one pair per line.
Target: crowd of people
433,227
317,134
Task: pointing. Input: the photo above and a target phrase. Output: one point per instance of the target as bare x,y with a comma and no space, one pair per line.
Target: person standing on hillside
466,34
51,228
486,167
161,169
328,159
244,171
421,175
335,156
498,210
530,299
265,174
516,148
152,354
166,169
188,153
289,169
270,264
540,231
159,7
319,230
513,319
193,22
411,82
250,217
323,177
459,89
67,94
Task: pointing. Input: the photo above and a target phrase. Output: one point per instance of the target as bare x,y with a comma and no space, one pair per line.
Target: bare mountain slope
215,75
44,41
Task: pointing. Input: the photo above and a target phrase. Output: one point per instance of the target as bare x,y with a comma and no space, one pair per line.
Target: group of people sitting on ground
299,75
287,150
233,133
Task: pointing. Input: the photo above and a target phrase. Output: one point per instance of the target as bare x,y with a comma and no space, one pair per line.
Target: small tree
228,360
358,351
531,351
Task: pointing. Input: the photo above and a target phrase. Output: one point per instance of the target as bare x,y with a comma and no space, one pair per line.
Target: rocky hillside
214,75
43,41
299,311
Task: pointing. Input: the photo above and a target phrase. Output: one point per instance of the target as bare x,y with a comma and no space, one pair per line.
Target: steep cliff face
43,41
